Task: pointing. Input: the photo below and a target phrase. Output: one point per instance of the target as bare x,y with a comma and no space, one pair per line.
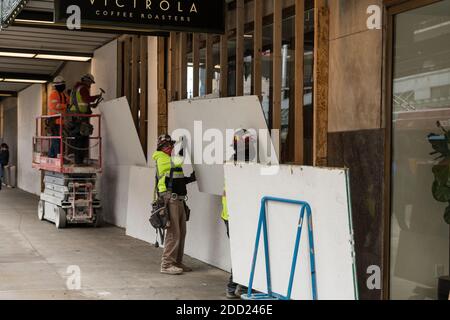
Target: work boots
174,271
184,267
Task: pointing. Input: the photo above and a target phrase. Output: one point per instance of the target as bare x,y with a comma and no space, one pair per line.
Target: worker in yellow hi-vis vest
244,146
172,189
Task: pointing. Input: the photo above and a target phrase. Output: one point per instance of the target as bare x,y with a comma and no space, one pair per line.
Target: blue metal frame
262,227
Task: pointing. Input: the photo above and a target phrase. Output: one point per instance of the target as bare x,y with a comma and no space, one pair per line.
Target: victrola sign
169,15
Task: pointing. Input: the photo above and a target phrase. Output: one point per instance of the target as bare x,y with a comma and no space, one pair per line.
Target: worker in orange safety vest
57,105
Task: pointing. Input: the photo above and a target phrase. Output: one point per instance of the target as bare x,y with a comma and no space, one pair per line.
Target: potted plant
441,187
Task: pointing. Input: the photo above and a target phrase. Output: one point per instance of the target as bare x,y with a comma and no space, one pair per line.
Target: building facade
375,78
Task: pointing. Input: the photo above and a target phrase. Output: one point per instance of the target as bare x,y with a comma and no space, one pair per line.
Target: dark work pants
2,169
55,144
82,149
231,286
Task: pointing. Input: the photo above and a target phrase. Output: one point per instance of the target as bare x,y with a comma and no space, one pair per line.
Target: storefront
418,98
374,79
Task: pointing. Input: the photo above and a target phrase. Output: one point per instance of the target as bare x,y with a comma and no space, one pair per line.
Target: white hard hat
58,81
88,77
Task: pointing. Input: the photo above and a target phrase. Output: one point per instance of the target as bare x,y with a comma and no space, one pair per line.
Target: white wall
29,107
104,69
114,180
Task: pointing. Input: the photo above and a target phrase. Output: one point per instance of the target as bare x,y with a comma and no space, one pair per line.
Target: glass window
421,99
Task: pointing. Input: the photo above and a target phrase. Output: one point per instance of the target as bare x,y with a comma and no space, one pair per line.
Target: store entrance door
421,99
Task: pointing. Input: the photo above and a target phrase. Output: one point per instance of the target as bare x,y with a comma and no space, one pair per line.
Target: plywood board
221,115
120,139
326,190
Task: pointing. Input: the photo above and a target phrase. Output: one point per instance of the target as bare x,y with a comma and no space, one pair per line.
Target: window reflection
421,98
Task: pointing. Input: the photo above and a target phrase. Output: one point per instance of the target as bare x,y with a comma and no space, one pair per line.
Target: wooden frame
196,64
240,21
321,70
276,70
257,48
133,80
238,13
299,82
392,8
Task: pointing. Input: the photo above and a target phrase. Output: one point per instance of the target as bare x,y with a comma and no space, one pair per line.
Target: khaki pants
176,235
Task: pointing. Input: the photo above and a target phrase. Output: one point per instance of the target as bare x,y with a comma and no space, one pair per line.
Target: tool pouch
159,217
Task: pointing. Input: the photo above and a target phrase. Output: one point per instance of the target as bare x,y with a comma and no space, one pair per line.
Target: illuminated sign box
9,9
205,16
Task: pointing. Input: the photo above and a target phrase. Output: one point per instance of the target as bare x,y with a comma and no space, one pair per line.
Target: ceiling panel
48,40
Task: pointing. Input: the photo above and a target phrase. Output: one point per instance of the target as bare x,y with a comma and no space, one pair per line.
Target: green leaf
441,192
442,173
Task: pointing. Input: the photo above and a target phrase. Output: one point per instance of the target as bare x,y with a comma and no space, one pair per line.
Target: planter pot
444,288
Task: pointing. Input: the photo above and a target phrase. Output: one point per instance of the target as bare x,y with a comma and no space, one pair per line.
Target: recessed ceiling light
17,54
25,80
62,57
34,21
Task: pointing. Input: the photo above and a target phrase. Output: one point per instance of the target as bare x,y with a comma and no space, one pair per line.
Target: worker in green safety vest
172,189
82,103
244,145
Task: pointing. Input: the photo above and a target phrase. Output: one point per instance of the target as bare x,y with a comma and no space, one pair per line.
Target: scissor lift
69,194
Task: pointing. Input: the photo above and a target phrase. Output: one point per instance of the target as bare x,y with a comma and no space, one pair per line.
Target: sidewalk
35,257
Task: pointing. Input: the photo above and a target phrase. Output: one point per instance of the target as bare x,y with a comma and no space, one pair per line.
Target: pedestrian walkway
37,261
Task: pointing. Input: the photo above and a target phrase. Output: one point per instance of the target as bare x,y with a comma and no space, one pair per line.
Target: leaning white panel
326,190
121,141
220,115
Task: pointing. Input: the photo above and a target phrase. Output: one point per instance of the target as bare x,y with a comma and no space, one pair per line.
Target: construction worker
245,151
82,103
57,105
172,189
4,160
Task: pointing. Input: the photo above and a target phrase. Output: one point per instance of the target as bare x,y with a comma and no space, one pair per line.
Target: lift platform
70,169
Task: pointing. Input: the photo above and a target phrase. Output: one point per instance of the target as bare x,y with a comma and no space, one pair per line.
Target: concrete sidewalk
35,257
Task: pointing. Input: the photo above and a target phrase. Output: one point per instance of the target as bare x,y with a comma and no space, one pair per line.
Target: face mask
61,88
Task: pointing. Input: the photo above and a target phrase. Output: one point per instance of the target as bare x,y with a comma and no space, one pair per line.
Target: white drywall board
326,190
29,104
206,233
220,114
115,181
140,198
120,139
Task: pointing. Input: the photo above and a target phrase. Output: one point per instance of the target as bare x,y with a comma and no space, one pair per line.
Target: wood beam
321,69
257,48
277,70
209,64
183,66
134,104
143,97
299,82
172,74
224,62
240,24
196,64
127,69
162,91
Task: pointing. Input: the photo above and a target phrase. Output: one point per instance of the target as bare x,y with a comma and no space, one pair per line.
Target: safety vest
167,165
58,102
78,104
225,215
